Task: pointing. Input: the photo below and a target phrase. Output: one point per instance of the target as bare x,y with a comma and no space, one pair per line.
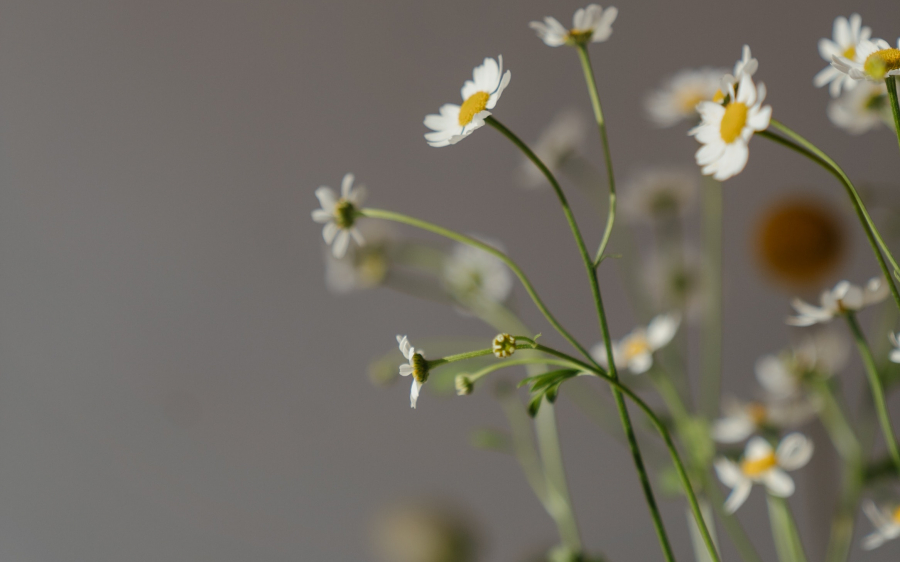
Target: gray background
177,384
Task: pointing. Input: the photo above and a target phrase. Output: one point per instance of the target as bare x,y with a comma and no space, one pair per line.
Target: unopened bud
504,345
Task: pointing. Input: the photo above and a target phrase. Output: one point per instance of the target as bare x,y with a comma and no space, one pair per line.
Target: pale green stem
523,446
477,375
891,82
557,486
784,531
732,526
876,386
601,126
711,328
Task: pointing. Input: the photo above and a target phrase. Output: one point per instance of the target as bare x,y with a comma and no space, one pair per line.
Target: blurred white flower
589,25
762,464
677,100
416,366
740,421
655,193
846,37
561,140
635,351
472,274
886,522
480,94
875,60
822,355
678,281
895,341
339,215
725,130
861,109
845,297
361,267
745,67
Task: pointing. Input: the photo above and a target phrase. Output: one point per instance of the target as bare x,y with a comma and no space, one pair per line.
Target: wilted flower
416,366
653,194
471,274
635,351
847,36
875,60
677,100
886,522
339,215
861,109
559,142
845,297
589,25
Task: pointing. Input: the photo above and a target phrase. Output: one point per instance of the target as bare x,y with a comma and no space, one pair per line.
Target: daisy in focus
875,60
845,297
456,122
557,145
635,351
589,25
895,341
886,522
846,38
761,464
677,100
339,215
725,130
862,109
416,366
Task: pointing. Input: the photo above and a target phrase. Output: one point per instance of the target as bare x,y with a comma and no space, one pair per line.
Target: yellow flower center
756,467
850,53
689,100
472,106
636,345
733,121
579,36
896,516
420,367
879,63
718,97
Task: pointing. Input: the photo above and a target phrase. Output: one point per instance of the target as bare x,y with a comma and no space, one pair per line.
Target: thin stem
784,531
891,82
601,126
731,523
557,486
711,330
434,363
877,390
515,362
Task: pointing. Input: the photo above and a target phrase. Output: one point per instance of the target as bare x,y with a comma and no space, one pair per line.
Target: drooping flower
654,194
339,215
592,24
473,275
725,130
560,141
886,522
635,351
875,60
456,122
762,464
677,99
846,37
745,67
416,366
845,297
361,267
862,109
895,341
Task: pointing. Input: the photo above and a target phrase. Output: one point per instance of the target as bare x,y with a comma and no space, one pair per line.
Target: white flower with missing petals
846,37
416,366
339,215
762,464
677,100
635,351
589,25
862,109
895,341
745,67
875,60
886,522
456,122
845,297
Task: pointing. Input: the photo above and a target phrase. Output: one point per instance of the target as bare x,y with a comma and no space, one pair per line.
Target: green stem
877,390
554,470
784,531
601,314
732,526
711,334
891,82
601,126
515,362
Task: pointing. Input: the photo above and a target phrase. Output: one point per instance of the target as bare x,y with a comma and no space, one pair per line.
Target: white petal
640,363
876,291
738,496
327,198
329,231
759,120
662,329
732,429
406,370
876,515
414,393
757,448
357,235
774,376
729,472
794,451
828,49
321,216
346,185
341,242
778,483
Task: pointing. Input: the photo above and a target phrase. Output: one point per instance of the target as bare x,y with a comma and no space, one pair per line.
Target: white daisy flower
480,94
862,109
846,37
635,351
653,194
416,366
589,25
895,341
677,100
361,267
562,139
473,274
725,130
763,465
821,355
875,60
339,215
886,522
745,67
845,297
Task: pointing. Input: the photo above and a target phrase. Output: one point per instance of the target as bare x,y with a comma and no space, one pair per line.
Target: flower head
895,341
875,60
846,38
456,122
361,267
416,366
886,522
745,67
473,275
845,297
762,464
677,100
559,142
861,109
589,25
339,215
503,346
725,130
659,193
635,351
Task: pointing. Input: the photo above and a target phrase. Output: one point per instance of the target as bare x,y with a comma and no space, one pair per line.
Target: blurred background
178,383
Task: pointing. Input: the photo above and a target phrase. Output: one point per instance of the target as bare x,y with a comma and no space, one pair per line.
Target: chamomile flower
361,267
473,275
886,522
875,60
560,141
845,297
895,353
861,109
725,130
677,100
456,122
782,376
740,421
657,193
846,37
339,215
745,67
635,351
416,366
762,464
589,25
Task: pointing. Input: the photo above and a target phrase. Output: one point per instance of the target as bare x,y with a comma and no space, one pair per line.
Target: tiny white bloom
560,141
678,98
480,94
725,130
658,193
589,25
740,421
862,109
875,60
416,366
635,351
470,273
846,37
361,267
339,215
745,67
763,465
886,522
845,297
895,341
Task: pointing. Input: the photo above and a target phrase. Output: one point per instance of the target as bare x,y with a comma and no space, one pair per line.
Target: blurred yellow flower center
579,36
689,100
896,516
850,53
758,466
420,367
473,106
634,346
879,63
718,97
733,121
757,412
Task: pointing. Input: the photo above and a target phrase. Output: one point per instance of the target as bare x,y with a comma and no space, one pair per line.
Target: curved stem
601,126
516,362
891,82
